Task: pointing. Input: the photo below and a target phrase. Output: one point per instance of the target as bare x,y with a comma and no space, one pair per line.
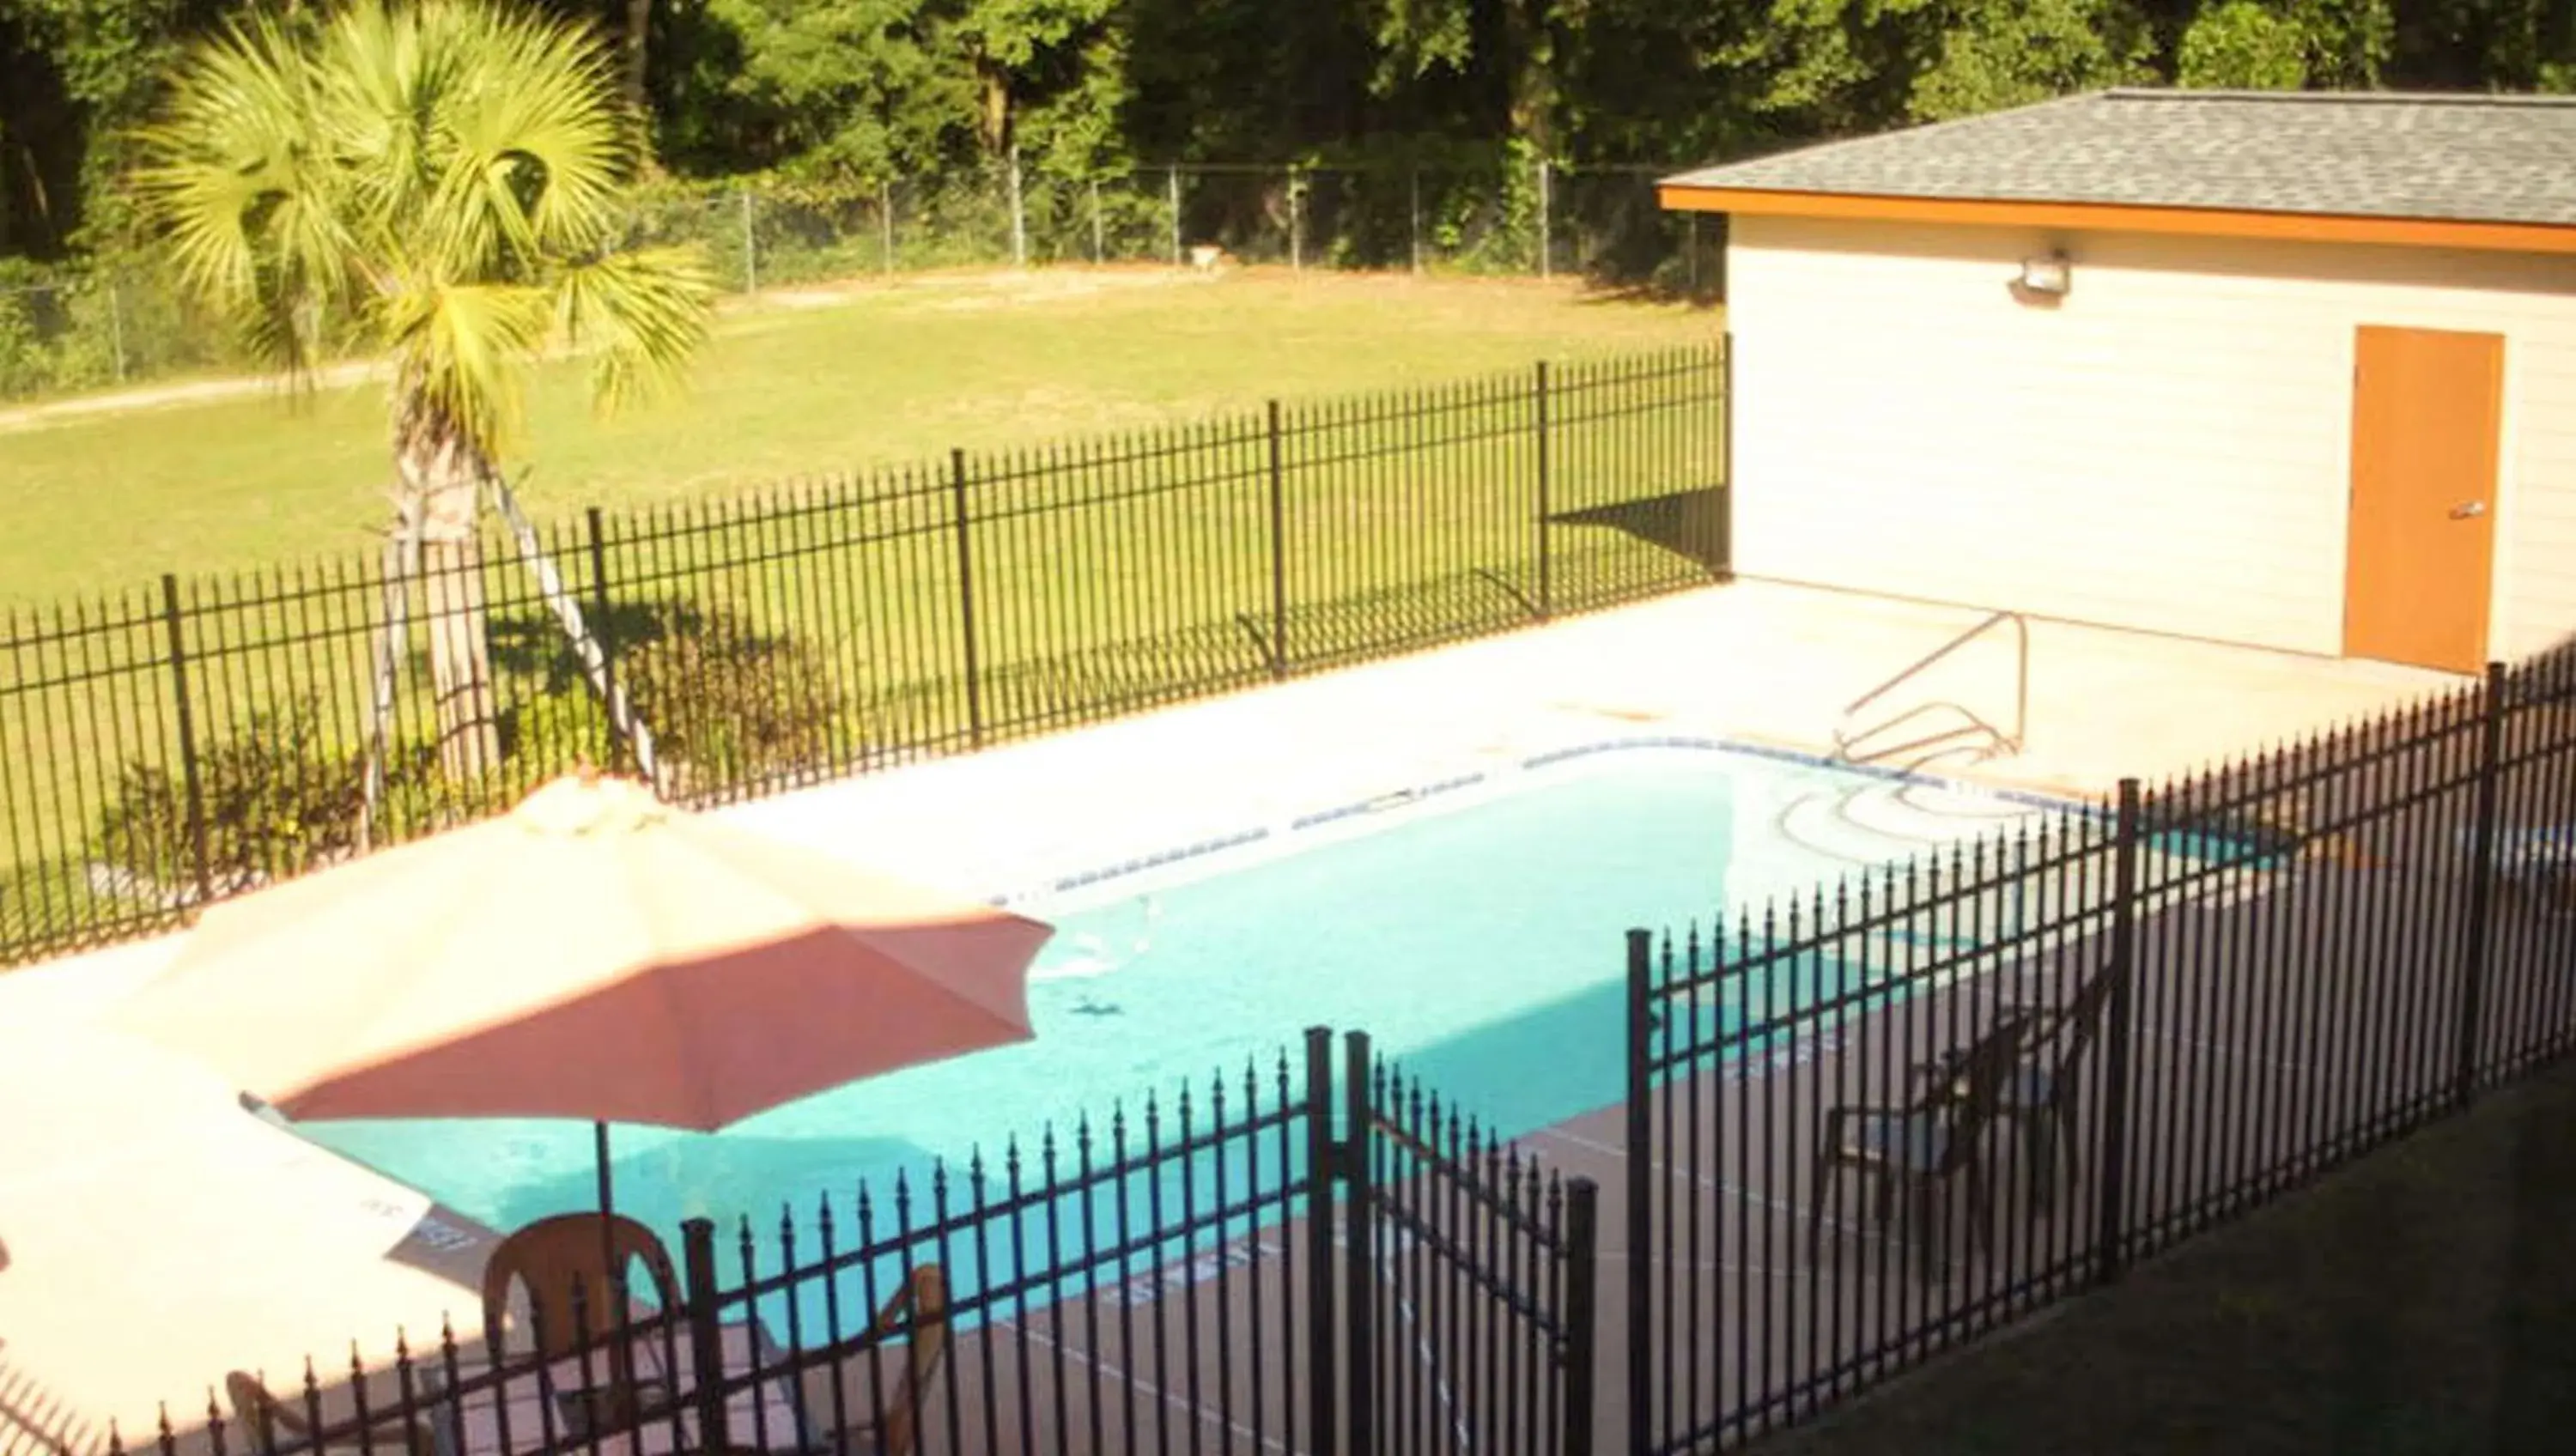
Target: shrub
727,704
557,730
733,704
278,798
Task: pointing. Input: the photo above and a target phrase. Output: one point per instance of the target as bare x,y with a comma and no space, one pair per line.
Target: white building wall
2167,447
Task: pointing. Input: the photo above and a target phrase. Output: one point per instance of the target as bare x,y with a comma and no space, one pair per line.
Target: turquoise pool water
1476,935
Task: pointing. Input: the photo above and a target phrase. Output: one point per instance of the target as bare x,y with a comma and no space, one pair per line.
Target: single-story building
2294,370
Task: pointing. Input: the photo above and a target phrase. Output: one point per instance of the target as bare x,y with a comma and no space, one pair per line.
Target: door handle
2467,510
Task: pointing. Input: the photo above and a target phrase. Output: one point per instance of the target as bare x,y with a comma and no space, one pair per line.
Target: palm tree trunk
444,475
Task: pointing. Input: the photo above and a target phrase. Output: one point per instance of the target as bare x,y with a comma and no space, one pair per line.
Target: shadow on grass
1691,524
2420,1301
1600,291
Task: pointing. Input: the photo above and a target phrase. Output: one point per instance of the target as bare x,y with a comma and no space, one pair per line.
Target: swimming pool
1474,932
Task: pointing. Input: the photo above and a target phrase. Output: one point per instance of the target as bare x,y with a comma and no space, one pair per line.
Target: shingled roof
2465,158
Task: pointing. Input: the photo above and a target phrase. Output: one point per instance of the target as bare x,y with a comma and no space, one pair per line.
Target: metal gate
1470,1275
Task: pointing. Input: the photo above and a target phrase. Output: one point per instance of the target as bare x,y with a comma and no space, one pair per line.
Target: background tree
835,87
1007,46
2000,53
2241,44
635,47
932,92
75,75
442,179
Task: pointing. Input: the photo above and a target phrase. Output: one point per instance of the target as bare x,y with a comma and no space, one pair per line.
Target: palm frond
458,347
447,174
250,210
640,314
545,140
377,109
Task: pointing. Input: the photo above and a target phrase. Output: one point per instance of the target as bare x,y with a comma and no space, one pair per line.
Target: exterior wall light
2047,276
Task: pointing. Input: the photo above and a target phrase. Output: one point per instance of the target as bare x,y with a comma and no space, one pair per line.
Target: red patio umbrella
593,954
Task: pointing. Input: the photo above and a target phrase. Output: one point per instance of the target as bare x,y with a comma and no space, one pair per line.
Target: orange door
2420,555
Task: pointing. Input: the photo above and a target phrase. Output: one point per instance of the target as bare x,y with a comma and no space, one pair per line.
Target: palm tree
438,181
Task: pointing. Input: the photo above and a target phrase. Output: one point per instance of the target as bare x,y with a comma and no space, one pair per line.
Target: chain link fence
94,328
100,327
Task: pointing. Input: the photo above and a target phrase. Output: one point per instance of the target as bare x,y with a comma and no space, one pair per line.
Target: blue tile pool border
1811,759
1418,793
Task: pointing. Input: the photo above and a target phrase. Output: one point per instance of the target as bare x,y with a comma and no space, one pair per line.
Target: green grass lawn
1127,548
797,385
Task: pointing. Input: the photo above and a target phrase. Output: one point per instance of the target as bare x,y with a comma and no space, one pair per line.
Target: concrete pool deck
158,1236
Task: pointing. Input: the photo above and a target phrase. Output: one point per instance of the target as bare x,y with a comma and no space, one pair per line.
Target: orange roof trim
2404,232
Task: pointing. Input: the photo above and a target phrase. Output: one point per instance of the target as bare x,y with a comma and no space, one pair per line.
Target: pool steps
1869,824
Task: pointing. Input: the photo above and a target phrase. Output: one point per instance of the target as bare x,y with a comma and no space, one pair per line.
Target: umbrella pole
611,1268
599,1141
614,1277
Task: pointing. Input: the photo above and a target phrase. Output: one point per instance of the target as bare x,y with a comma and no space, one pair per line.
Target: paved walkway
159,1236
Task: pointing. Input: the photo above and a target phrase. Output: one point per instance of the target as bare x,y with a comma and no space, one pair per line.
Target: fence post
116,324
1546,579
2473,955
170,617
1278,551
1099,239
1296,224
750,246
1726,410
1323,1164
966,599
2111,1256
615,754
1413,215
885,219
1724,524
1641,1185
1019,214
706,1330
1359,1244
1543,180
1172,191
1582,1274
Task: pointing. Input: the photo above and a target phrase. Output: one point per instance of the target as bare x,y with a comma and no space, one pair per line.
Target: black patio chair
1926,1144
2039,1097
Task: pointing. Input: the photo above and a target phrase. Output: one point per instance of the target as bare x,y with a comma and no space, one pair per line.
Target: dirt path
155,396
962,288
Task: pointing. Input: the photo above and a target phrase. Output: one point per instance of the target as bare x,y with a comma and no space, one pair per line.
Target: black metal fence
1880,1120
163,748
1166,1282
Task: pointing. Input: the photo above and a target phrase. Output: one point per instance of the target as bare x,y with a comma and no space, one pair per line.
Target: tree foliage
2241,44
864,91
444,179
